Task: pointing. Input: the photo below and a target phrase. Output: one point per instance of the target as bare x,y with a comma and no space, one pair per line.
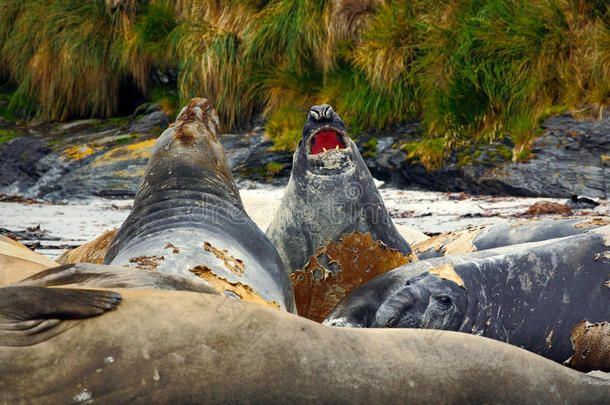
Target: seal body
530,295
330,193
184,347
188,218
492,236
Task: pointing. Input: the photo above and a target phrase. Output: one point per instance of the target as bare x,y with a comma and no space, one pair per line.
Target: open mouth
325,140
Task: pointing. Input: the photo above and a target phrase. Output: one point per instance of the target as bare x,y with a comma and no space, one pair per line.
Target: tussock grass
473,70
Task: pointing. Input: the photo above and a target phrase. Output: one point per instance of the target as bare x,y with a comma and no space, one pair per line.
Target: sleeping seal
530,295
178,347
492,236
330,193
188,218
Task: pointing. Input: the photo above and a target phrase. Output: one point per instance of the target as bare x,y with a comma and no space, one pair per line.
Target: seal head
426,301
325,149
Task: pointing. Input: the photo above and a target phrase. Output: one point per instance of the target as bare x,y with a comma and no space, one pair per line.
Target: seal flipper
29,315
88,275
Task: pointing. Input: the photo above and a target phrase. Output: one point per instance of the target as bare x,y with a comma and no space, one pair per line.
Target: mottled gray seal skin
177,347
329,193
494,236
188,217
530,295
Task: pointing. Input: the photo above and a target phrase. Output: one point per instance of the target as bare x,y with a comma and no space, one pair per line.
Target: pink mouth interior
325,140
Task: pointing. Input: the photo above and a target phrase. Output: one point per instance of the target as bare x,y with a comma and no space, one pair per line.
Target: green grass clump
370,148
273,168
7,134
431,153
474,71
285,127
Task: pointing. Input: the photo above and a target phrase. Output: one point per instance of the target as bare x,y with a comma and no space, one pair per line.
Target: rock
20,163
571,157
107,158
581,202
149,118
250,157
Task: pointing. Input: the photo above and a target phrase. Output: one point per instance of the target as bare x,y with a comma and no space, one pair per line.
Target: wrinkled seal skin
188,213
181,347
329,194
494,236
530,295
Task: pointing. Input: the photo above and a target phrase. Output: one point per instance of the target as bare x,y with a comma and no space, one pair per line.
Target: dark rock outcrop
20,163
107,158
571,157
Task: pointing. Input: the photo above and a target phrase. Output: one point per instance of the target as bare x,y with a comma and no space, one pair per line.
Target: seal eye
443,300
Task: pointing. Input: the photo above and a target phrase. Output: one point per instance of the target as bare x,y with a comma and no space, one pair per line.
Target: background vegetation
472,70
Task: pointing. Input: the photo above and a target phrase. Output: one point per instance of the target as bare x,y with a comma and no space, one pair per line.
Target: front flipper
29,315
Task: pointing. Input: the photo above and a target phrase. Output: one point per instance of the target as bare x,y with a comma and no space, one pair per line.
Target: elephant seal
330,193
188,218
492,236
18,262
530,295
184,347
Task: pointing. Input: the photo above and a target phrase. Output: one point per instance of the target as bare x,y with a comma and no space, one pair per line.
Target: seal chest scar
175,249
147,262
243,291
238,265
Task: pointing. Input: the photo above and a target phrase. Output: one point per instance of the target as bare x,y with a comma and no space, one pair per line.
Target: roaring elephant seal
188,219
184,347
492,236
330,193
530,295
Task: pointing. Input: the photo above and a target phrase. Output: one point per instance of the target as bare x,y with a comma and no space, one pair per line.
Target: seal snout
391,313
321,112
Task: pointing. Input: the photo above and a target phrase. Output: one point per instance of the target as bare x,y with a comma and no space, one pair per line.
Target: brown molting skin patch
450,243
591,344
231,263
356,258
147,262
244,292
600,221
90,252
174,248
